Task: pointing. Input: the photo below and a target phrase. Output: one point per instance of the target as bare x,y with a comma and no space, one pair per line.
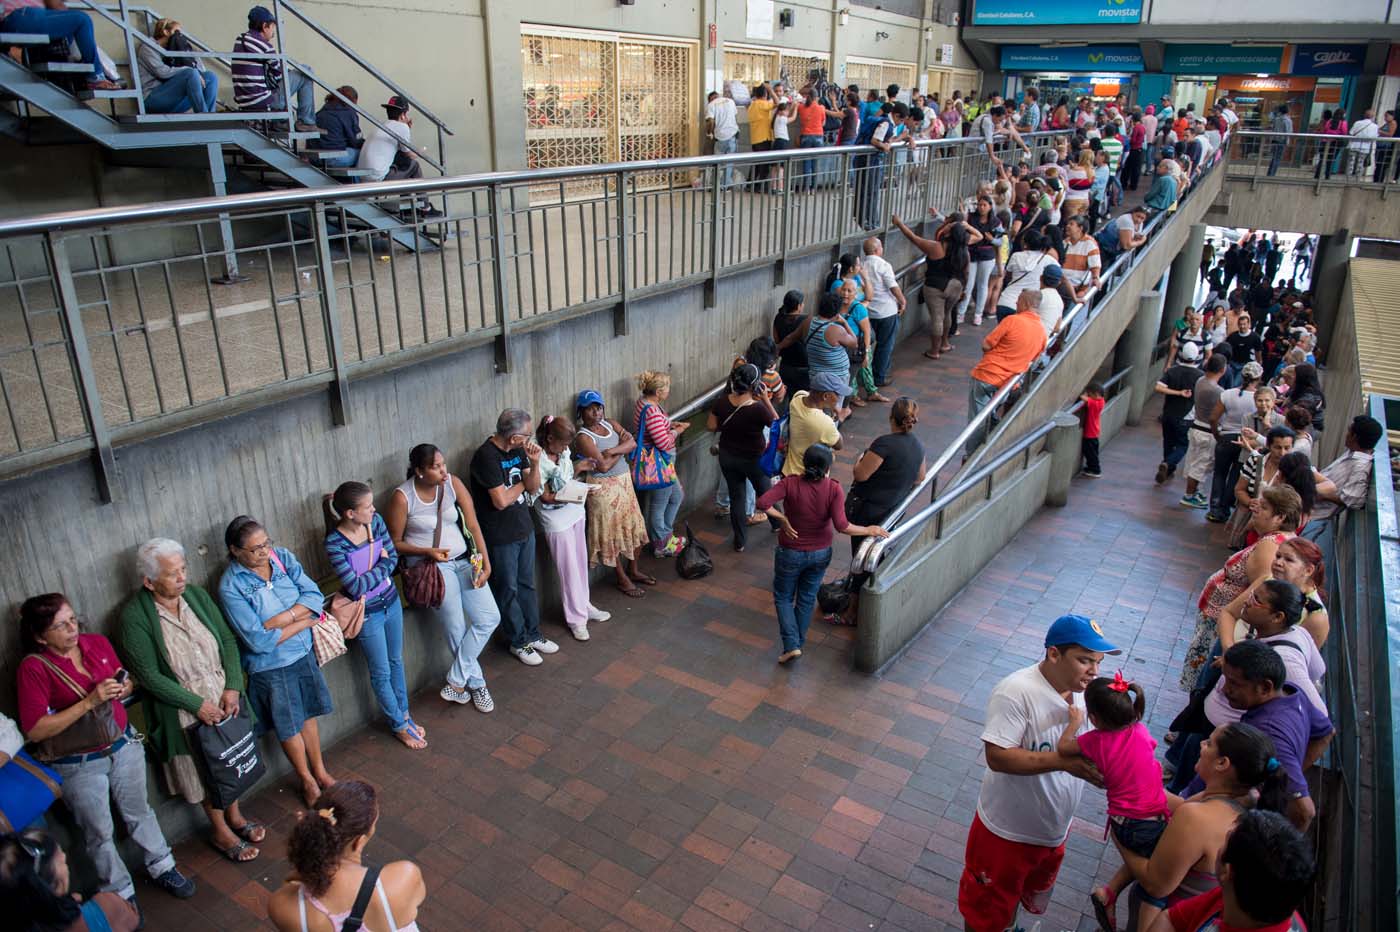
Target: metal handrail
306,197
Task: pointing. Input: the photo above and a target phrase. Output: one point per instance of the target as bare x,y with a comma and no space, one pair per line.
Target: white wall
1208,12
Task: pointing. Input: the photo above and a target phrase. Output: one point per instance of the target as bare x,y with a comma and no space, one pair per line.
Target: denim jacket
249,600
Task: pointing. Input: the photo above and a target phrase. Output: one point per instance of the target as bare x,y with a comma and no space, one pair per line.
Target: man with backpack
882,132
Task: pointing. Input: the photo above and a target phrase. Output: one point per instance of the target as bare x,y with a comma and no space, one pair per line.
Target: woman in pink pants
562,524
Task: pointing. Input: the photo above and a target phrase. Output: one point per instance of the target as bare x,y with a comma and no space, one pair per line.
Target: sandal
1103,908
857,402
250,831
632,592
644,580
237,851
758,517
835,619
929,354
410,738
418,729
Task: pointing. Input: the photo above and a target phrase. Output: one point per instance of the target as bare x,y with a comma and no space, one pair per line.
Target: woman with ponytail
813,505
364,558
1239,771
331,887
740,417
887,471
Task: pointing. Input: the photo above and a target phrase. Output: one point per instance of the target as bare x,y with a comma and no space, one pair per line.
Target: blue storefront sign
1328,60
1099,58
1222,59
1055,12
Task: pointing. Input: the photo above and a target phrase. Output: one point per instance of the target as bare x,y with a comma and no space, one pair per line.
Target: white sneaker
481,698
545,646
597,614
527,655
453,694
580,632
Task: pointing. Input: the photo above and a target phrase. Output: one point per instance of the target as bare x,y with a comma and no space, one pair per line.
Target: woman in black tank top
945,275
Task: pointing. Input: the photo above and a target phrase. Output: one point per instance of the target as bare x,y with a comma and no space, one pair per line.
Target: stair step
23,38
61,67
108,95
327,153
291,137
349,172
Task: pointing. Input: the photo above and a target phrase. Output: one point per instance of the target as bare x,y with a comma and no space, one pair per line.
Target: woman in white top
562,524
468,613
782,116
326,851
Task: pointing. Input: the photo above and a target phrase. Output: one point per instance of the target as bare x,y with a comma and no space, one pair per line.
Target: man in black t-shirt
503,471
1177,407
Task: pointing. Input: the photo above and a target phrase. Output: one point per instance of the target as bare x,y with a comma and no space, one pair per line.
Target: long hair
842,269
1296,470
956,253
340,814
816,462
1305,380
347,495
27,881
1251,756
421,457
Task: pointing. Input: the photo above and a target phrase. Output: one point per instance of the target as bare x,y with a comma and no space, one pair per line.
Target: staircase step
61,67
23,38
327,153
349,172
108,95
291,137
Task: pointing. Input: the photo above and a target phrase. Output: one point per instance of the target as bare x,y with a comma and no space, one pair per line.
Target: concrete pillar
1181,284
1135,349
1063,445
840,47
1328,278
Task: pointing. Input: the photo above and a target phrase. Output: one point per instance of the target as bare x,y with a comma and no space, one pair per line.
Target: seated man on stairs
50,18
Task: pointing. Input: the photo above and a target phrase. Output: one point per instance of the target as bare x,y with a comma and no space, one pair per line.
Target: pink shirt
1131,775
41,692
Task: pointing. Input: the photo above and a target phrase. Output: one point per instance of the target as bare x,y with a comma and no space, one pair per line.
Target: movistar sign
1090,58
1055,12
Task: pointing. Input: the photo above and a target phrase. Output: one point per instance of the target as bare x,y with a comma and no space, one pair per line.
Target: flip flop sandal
632,593
235,853
930,355
418,729
1103,910
410,739
248,829
645,580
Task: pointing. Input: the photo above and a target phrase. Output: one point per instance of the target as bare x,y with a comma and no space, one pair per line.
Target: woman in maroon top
813,505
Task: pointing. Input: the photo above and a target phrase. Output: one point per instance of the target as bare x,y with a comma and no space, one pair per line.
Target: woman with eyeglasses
271,605
34,891
70,687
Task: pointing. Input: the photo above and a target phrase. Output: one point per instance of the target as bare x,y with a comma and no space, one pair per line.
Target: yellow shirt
761,123
806,426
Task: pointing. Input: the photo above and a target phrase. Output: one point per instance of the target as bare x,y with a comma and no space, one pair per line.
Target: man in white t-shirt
1359,150
1029,792
387,154
1052,305
885,305
722,126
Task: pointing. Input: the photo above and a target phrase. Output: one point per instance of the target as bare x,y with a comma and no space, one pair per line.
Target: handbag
348,613
94,730
651,468
327,640
693,562
423,586
229,758
774,455
834,597
27,790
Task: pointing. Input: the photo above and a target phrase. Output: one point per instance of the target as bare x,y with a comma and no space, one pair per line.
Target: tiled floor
668,775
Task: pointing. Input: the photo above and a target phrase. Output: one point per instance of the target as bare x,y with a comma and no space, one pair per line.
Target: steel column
340,387
219,180
624,234
712,283
498,280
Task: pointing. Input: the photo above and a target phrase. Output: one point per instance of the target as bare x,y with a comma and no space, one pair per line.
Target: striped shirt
1080,259
348,558
254,79
1114,148
658,428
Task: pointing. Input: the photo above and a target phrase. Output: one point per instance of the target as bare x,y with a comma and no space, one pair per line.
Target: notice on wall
759,24
947,58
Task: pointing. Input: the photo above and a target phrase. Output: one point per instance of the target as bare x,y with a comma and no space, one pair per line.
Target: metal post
712,283
340,387
624,233
498,279
844,221
131,58
784,239
104,459
282,57
219,181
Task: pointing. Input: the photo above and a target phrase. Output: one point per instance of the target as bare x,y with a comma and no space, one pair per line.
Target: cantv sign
1055,12
1090,58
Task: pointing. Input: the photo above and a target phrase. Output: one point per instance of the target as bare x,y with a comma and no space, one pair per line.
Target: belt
127,736
1203,428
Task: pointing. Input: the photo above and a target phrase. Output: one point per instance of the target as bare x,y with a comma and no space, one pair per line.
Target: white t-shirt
380,148
1305,668
1052,308
1022,273
881,275
1026,712
10,739
725,115
780,128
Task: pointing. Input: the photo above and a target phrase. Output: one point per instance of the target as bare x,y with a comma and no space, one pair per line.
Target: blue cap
261,14
1076,629
588,397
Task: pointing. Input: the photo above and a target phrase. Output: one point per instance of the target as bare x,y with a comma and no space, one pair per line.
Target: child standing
1093,413
1121,747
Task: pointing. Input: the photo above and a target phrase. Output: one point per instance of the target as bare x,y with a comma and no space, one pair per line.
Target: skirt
1197,651
615,523
283,699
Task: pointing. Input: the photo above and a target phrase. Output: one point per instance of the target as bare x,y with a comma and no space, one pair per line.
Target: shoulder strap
301,906
642,426
356,919
441,500
67,680
384,905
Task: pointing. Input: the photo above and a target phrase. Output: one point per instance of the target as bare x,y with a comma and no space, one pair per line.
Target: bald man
886,304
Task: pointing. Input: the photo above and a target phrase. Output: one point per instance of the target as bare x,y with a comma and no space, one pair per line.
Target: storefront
1098,71
1308,79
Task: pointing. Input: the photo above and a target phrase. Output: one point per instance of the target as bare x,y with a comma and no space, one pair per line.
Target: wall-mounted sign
1246,82
947,57
1055,12
1222,59
1100,58
1327,60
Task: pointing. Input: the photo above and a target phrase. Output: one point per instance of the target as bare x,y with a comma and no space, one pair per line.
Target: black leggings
737,470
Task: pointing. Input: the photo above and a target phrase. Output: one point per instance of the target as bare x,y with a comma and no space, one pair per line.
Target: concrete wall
1299,209
1343,383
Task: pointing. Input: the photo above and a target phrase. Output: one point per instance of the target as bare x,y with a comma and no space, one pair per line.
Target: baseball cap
261,14
1051,275
1189,352
588,397
1076,629
829,382
395,103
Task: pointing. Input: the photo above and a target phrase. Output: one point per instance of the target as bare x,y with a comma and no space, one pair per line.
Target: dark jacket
341,125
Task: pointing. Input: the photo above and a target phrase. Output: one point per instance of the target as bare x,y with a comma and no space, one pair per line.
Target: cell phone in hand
121,676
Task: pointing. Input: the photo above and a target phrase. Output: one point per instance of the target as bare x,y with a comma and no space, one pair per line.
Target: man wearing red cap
1030,791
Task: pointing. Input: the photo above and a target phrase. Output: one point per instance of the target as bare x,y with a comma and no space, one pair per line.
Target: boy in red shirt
1093,412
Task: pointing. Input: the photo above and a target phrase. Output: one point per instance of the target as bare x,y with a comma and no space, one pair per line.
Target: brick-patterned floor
668,775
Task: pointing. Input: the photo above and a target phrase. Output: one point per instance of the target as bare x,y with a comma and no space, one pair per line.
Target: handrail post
131,59
285,62
340,386
624,233
498,280
784,236
79,356
843,222
716,195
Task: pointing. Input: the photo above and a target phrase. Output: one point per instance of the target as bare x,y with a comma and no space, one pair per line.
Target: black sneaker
176,884
1162,473
140,916
1091,474
1214,518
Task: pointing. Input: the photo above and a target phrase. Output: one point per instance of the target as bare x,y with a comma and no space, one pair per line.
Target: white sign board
947,58
759,24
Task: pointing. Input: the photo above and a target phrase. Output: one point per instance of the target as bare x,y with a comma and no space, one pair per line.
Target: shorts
1139,836
998,875
283,699
1200,453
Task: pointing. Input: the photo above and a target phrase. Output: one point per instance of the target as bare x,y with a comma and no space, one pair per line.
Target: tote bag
230,758
651,468
27,789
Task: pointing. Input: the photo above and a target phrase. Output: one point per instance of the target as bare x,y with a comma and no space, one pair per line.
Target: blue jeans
662,506
809,166
978,395
381,641
722,496
1322,531
190,89
58,24
468,617
295,84
513,584
727,147
870,176
886,328
348,160
797,575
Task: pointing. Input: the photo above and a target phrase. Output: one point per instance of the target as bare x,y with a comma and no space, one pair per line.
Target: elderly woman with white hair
174,639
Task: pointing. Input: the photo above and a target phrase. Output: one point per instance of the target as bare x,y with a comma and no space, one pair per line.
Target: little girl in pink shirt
1123,751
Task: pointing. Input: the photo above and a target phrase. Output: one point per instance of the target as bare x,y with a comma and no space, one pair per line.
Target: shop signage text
1222,59
1055,12
1100,58
1327,60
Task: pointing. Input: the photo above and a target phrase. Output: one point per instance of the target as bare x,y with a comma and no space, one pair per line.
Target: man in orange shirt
1007,353
811,114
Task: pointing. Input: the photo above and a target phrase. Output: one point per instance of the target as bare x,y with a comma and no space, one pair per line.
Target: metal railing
114,334
903,528
1315,159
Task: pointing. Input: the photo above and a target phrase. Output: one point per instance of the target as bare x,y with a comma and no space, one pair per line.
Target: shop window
868,73
755,65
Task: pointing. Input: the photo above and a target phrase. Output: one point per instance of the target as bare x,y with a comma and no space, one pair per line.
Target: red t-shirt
42,692
1093,411
1203,914
811,118
813,509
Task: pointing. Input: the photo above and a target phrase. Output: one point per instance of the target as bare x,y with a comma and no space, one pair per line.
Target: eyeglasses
74,624
258,548
33,849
